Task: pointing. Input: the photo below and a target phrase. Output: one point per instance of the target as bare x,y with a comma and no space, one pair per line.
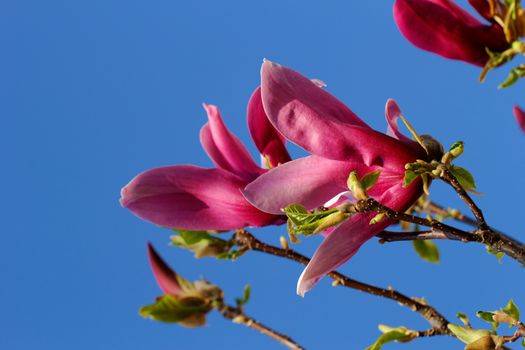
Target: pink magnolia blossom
442,27
340,142
194,198
520,117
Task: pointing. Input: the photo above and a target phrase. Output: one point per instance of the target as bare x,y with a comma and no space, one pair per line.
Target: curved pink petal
269,142
225,149
310,181
191,198
442,27
165,276
315,120
341,244
520,117
338,247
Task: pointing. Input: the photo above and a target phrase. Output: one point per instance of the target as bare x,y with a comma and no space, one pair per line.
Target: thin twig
238,316
389,236
439,323
447,176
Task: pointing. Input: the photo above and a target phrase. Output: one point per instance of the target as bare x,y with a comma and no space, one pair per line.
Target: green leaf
464,177
201,243
427,250
410,177
467,335
401,334
512,310
168,308
370,179
497,254
456,149
245,296
486,316
302,222
489,317
513,77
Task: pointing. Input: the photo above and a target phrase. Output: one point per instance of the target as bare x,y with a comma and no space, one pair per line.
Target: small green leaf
489,317
245,296
464,177
201,243
302,222
168,308
512,310
355,186
456,149
400,334
427,250
410,177
485,316
514,75
467,335
370,179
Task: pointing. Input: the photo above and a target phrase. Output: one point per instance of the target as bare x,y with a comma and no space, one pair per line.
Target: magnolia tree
356,184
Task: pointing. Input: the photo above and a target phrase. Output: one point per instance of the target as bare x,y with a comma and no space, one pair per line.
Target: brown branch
389,236
439,323
447,176
497,241
238,316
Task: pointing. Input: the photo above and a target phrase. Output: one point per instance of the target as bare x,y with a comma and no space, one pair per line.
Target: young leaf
463,318
410,176
400,334
370,179
512,310
245,297
464,177
427,250
168,308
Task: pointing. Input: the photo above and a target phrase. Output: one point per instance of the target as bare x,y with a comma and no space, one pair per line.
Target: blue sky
93,92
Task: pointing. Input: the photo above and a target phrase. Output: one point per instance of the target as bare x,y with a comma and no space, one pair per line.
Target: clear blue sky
93,92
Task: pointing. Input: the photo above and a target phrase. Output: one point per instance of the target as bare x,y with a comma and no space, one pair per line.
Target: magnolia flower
194,198
340,143
442,27
520,117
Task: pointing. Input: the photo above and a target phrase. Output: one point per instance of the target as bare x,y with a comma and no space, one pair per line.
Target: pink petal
225,149
520,117
310,181
165,276
442,27
269,142
191,198
315,120
338,247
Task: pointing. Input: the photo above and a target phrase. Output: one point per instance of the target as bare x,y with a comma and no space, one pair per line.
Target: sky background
94,92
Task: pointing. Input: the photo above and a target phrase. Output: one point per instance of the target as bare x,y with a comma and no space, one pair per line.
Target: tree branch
238,316
439,323
389,236
497,241
447,176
